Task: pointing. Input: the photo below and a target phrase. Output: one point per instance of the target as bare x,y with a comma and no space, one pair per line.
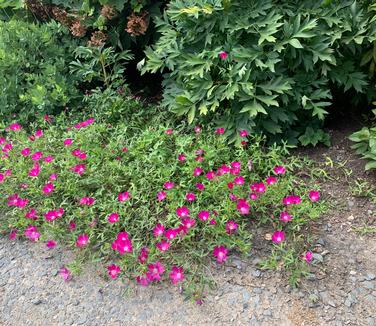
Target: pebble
370,277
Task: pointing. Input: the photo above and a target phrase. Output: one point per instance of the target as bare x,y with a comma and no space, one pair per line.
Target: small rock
36,301
321,242
267,312
350,300
369,285
332,303
370,277
256,273
317,257
352,273
257,290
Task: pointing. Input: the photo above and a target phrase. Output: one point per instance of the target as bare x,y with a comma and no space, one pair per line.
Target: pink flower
48,159
258,187
253,196
31,214
155,271
142,280
168,131
188,223
13,234
36,156
271,180
113,217
182,211
122,244
278,236
203,215
168,185
7,148
71,226
314,196
200,186
53,177
68,142
176,274
308,256
2,177
182,157
244,143
231,226
161,195
34,172
39,133
223,55
82,240
279,169
51,244
32,233
123,196
190,196
197,171
87,201
65,273
48,188
243,207
2,140
197,129
143,256
285,216
113,271
25,151
233,197
210,175
158,230
212,222
79,169
291,200
15,126
163,245
221,253
243,133
171,234
239,180
236,165
124,149
220,131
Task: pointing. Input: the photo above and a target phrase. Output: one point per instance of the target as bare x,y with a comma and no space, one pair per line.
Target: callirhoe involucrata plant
153,203
264,66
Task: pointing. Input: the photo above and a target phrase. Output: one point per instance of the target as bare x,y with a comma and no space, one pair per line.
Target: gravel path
342,292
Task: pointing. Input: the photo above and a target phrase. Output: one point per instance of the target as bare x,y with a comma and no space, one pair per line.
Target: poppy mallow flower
203,215
65,273
279,169
243,133
113,217
220,131
231,227
285,216
82,240
190,196
113,271
161,195
176,274
278,237
168,185
308,256
182,211
51,244
223,55
314,196
220,252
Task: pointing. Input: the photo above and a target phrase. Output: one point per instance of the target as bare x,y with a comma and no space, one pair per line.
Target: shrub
365,140
34,71
151,199
264,66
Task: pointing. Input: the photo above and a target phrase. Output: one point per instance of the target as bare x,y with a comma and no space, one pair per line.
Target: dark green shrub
280,61
34,69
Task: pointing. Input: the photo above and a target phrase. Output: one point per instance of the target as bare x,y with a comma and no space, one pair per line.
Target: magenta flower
51,244
168,131
190,196
39,133
113,217
143,256
65,273
314,196
220,252
210,175
32,233
236,165
13,234
113,271
25,152
155,271
271,180
34,172
79,169
163,245
291,200
279,169
278,236
142,280
182,211
122,245
36,156
197,171
53,177
253,196
258,187
239,180
123,196
176,274
82,240
233,197
71,226
231,227
161,195
87,201
2,177
48,188
223,55
243,133
203,215
243,207
188,223
308,256
220,131
48,159
182,157
171,234
15,127
68,142
158,230
197,129
31,214
200,186
168,185
285,217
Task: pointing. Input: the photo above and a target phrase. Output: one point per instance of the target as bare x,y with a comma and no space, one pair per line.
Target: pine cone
137,25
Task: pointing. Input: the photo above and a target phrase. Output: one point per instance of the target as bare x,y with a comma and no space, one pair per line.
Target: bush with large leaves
284,57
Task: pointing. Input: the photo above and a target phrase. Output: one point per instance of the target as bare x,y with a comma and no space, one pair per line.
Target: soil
342,290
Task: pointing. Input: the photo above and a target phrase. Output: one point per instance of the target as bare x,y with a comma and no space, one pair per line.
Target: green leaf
296,43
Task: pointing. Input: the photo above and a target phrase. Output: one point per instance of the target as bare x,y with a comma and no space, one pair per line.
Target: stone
370,277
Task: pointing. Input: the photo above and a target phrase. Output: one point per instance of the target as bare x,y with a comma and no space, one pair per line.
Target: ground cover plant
151,201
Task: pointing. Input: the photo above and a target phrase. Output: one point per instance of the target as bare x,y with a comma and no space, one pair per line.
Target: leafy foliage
365,140
263,66
34,72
